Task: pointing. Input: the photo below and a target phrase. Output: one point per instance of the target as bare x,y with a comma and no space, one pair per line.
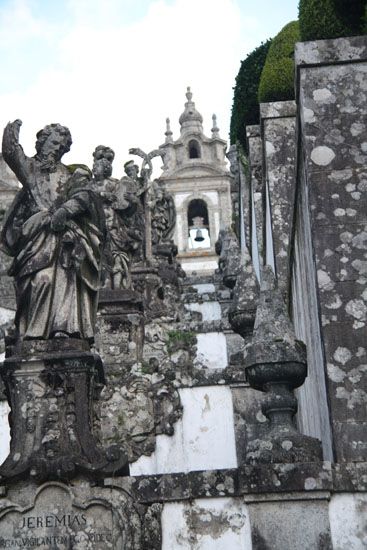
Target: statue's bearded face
53,141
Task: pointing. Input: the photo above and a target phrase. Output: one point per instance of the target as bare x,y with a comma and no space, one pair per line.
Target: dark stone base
283,448
52,419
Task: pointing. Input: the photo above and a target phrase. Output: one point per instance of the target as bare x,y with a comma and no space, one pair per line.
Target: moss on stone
277,77
178,339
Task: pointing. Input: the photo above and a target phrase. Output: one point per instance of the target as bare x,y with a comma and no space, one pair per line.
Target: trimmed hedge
320,19
245,108
277,77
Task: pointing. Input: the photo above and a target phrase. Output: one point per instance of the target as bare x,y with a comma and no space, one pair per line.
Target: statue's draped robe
56,272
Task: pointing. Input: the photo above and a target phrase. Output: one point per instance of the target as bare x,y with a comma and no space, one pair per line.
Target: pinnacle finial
168,132
189,93
215,129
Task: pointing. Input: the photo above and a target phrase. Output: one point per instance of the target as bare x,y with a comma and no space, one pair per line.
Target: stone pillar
332,175
278,130
255,165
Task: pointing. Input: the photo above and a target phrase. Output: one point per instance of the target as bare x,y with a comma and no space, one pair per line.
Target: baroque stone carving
60,516
138,408
242,312
120,203
163,214
228,251
55,232
51,397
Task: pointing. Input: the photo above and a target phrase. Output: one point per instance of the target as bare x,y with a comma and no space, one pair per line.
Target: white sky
113,70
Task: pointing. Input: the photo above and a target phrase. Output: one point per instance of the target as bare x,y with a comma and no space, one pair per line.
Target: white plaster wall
212,350
4,431
178,232
206,524
210,311
189,266
180,199
348,521
203,440
212,196
217,225
6,315
203,288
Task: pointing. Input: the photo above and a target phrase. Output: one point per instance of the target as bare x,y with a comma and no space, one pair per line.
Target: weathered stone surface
254,145
55,233
122,207
331,88
276,363
305,523
313,413
208,524
52,419
242,311
56,515
120,326
136,408
227,248
252,480
347,513
278,128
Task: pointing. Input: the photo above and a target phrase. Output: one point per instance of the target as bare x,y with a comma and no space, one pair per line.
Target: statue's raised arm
13,152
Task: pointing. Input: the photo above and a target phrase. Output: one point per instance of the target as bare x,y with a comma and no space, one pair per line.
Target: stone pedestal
120,326
50,387
146,281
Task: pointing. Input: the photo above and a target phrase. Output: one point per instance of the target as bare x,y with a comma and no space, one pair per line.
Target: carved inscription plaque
56,520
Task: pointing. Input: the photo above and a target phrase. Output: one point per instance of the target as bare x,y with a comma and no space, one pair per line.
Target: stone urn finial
276,363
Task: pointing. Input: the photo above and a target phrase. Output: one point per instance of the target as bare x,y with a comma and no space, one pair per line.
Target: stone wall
332,153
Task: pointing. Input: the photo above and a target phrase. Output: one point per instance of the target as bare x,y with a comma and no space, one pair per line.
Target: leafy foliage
245,108
277,77
320,19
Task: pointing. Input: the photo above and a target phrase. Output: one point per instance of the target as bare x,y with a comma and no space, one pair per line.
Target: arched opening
194,149
198,224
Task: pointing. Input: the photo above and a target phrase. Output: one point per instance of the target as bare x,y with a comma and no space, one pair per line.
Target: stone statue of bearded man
55,232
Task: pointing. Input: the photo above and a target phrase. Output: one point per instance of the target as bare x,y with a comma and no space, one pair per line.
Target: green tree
320,19
245,107
277,77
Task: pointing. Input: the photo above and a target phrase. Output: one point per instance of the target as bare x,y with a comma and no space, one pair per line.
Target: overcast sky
113,70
